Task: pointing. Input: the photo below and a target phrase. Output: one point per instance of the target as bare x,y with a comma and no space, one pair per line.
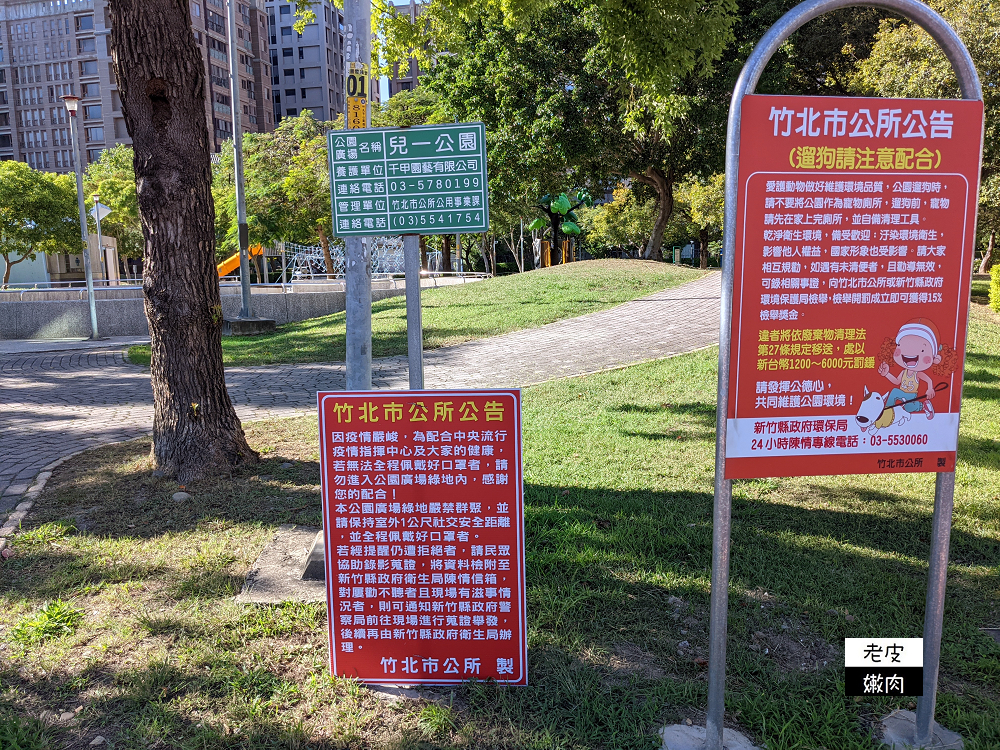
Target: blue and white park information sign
429,179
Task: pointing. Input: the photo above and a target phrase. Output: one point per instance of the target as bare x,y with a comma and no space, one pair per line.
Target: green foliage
652,39
113,178
702,203
623,223
287,180
54,619
435,720
420,106
906,62
38,214
995,287
46,533
24,734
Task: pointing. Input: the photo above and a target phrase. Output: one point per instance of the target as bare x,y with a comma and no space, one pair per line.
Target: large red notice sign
423,518
854,245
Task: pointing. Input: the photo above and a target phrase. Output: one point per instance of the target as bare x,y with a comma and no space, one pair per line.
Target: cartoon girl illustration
917,350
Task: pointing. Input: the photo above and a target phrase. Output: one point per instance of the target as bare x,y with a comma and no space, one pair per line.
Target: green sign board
429,179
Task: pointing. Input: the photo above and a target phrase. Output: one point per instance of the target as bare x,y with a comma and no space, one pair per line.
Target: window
291,112
94,134
289,72
93,154
196,10
84,23
4,118
286,51
88,67
285,10
90,89
302,71
5,141
86,45
290,93
92,112
304,94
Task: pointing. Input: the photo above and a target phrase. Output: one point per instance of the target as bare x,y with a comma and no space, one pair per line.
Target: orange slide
231,263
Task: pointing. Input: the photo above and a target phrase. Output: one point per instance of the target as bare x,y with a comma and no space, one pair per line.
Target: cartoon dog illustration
874,415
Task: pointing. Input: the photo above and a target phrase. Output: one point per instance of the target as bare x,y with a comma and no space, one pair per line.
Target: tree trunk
7,265
423,252
663,184
161,78
984,267
703,241
554,220
483,252
446,254
324,242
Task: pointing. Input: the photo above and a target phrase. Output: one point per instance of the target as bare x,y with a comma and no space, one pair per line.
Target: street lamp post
72,105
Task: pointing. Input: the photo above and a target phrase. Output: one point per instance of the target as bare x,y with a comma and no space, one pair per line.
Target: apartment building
308,68
49,48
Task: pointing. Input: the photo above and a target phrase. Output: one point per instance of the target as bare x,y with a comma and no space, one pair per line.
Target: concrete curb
13,522
16,516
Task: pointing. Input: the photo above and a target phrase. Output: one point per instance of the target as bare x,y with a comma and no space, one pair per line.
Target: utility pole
357,260
72,105
241,204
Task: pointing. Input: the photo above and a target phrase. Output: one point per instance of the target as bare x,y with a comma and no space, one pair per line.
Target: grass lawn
980,291
118,601
459,313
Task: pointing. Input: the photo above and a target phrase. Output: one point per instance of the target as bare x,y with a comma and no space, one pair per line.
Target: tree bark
984,267
324,242
703,241
161,77
662,182
7,264
446,254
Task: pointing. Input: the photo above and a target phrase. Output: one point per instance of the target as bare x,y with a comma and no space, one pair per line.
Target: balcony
218,28
218,55
222,109
224,82
222,135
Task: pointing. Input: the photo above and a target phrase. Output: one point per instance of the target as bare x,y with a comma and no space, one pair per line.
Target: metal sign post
414,318
357,256
968,80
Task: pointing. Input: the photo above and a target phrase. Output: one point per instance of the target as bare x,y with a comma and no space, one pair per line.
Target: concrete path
60,402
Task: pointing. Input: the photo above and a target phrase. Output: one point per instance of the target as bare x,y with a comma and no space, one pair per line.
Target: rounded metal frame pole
968,81
88,271
246,309
414,316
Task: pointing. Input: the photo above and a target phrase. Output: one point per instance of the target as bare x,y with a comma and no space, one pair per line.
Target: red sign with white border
423,521
854,245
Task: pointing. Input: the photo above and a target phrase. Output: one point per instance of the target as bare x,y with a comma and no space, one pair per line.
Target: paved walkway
56,403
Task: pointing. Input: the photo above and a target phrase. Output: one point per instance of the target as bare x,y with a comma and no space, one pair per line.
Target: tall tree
161,77
38,214
704,207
